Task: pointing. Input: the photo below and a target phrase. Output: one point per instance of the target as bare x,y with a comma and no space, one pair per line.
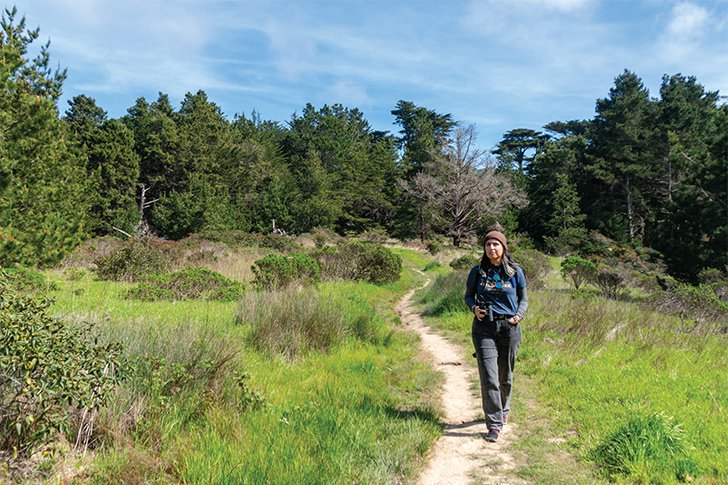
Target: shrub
74,274
376,235
48,370
466,261
134,261
578,270
26,280
644,449
358,260
178,370
610,281
294,321
535,266
709,276
378,265
188,284
434,246
278,271
431,265
699,303
322,236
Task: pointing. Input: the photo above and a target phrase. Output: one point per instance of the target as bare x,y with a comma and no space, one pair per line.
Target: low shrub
431,265
134,261
610,281
294,321
188,284
26,280
535,266
645,448
698,303
434,246
322,236
74,274
376,235
357,260
279,271
48,371
466,261
179,371
578,270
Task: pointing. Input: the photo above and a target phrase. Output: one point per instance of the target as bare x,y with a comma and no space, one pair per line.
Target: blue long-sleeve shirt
506,296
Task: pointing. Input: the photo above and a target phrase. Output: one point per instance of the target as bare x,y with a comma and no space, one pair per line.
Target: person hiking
496,294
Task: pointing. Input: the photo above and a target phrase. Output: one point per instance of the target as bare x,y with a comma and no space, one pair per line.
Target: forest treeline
646,172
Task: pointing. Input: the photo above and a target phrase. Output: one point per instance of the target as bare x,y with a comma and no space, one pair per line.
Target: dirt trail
461,455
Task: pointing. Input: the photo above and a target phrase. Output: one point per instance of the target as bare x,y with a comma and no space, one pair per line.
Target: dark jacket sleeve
471,288
521,293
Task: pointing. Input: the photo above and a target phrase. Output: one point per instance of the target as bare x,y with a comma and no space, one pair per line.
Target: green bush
294,321
645,448
48,371
134,261
610,281
322,236
535,266
466,261
26,280
74,274
279,271
578,270
357,260
188,284
698,303
434,246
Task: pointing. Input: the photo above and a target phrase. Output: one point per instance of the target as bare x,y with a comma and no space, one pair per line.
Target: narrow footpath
460,455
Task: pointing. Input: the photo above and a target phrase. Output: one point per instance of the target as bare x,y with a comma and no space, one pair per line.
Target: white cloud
688,22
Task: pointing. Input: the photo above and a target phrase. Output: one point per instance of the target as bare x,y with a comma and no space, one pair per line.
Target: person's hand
479,313
514,320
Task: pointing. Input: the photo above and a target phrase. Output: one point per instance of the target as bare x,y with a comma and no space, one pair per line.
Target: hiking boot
492,435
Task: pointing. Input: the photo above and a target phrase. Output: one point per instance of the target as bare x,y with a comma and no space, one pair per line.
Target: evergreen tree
43,203
623,160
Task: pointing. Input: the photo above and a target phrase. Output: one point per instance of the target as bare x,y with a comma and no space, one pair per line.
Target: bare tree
459,187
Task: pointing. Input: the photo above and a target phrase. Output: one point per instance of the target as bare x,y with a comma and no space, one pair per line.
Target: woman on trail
496,294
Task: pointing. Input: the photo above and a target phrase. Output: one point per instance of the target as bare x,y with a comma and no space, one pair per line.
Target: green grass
590,368
362,411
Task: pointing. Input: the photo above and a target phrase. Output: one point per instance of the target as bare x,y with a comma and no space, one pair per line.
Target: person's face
494,250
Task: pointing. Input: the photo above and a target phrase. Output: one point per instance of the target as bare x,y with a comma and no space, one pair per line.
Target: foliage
48,371
43,203
644,448
132,262
322,236
357,260
292,322
190,283
535,266
610,281
578,270
465,261
279,271
25,280
699,303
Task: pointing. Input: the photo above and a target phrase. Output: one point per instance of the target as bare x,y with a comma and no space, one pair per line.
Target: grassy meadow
204,401
634,394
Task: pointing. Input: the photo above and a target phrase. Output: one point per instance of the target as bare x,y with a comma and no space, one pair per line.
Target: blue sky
496,63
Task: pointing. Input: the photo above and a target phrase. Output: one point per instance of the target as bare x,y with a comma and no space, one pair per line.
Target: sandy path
461,455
